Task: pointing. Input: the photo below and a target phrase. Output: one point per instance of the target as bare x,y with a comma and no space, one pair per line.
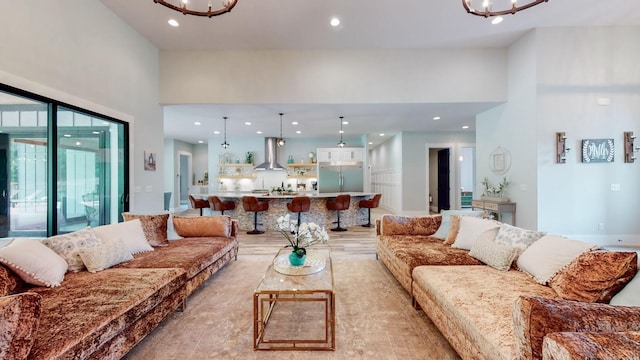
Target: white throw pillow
68,246
129,232
34,262
445,225
111,252
471,229
545,257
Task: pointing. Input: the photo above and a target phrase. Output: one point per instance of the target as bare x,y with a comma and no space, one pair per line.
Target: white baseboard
621,241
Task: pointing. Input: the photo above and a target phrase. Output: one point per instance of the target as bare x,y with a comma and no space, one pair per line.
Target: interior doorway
184,171
439,178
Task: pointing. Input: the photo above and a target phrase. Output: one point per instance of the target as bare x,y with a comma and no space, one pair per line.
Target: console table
496,206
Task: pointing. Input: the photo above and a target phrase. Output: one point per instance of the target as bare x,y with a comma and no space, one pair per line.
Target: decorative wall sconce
561,148
629,147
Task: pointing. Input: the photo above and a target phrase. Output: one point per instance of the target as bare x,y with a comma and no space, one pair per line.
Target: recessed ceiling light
370,142
298,132
381,134
173,22
247,123
465,127
345,123
78,143
216,132
497,20
197,123
436,118
341,132
258,132
334,22
200,141
294,123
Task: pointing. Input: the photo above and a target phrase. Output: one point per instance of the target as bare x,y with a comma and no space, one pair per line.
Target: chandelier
486,7
199,7
281,140
225,144
341,143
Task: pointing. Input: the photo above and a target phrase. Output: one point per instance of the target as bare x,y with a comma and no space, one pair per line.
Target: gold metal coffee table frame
280,289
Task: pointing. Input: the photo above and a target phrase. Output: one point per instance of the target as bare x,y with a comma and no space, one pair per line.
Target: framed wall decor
597,150
149,161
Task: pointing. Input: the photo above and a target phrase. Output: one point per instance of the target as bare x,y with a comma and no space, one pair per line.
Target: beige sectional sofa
105,313
486,313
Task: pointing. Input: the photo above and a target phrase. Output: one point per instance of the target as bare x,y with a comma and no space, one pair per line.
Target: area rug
375,319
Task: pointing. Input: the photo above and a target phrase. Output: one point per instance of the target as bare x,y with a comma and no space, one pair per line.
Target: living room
581,80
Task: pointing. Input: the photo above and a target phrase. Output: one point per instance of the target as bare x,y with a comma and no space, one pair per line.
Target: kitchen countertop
237,195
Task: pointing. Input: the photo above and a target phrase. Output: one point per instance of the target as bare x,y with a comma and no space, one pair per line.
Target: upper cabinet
340,154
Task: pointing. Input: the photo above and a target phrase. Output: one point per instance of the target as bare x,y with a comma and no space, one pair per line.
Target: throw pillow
68,246
595,276
129,232
517,237
20,318
471,229
498,256
202,226
34,262
453,230
545,257
443,230
111,252
153,225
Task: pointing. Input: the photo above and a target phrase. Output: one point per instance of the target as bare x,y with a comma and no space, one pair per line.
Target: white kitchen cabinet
340,154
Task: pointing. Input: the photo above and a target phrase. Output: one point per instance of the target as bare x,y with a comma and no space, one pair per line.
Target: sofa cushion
498,256
34,262
68,246
19,319
129,232
202,226
630,294
154,226
592,345
410,225
111,252
88,310
545,257
10,282
443,229
471,229
517,237
595,276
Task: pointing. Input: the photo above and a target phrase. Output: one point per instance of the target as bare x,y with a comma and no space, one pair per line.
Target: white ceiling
366,24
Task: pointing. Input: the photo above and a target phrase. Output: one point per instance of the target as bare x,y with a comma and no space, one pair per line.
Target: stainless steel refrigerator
340,178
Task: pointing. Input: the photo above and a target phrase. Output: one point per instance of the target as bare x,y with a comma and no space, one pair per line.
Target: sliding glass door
84,154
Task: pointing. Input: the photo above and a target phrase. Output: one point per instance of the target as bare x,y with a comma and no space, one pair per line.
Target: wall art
597,150
149,161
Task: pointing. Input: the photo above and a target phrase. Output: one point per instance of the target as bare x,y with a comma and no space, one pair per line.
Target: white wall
81,53
386,173
333,76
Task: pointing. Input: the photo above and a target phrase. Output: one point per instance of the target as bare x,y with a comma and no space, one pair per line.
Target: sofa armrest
534,317
234,228
591,345
378,224
410,225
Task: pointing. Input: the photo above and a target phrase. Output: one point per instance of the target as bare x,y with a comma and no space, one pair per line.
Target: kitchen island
318,212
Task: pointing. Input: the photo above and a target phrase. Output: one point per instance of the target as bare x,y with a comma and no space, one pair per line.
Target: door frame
189,156
454,187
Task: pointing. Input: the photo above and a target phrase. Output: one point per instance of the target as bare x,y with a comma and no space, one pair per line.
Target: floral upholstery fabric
153,226
68,246
10,282
535,317
595,276
475,314
408,225
517,237
592,345
19,319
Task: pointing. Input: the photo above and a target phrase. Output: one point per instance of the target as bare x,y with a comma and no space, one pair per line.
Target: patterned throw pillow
111,252
153,225
517,237
498,256
595,276
35,263
68,246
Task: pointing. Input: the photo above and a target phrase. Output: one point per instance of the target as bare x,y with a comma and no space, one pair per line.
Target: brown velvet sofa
103,315
489,314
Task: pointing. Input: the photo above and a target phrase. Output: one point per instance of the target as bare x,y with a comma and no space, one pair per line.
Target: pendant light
341,143
281,141
225,144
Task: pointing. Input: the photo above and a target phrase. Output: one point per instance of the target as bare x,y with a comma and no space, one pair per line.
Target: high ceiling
365,24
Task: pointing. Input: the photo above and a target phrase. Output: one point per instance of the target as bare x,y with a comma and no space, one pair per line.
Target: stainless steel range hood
270,155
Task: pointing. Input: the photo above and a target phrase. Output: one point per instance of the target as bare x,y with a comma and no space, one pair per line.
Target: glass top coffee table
296,312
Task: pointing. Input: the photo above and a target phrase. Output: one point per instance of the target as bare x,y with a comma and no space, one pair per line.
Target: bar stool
198,203
341,202
370,204
251,203
299,204
218,205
